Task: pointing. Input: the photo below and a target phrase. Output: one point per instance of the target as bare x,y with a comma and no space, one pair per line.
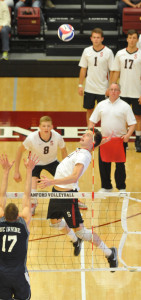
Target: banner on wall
15,126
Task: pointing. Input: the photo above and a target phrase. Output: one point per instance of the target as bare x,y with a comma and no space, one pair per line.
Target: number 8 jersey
129,65
45,150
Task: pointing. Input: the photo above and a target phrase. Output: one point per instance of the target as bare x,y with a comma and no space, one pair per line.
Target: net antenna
92,221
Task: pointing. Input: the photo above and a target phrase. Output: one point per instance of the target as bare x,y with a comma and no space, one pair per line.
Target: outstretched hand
31,162
6,165
107,139
44,182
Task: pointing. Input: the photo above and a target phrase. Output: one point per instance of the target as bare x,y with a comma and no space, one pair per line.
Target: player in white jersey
64,214
127,67
44,143
95,63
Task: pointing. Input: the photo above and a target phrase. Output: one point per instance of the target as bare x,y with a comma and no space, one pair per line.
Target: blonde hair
45,119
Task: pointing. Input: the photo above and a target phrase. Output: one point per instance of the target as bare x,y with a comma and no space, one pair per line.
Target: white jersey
46,151
129,65
114,117
65,168
98,64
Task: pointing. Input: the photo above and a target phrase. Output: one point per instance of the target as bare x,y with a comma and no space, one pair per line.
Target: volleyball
66,32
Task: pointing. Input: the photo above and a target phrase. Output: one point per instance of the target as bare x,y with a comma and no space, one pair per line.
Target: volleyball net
117,221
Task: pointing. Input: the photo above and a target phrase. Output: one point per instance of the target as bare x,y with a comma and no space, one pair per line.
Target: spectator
95,63
127,3
33,3
114,114
5,28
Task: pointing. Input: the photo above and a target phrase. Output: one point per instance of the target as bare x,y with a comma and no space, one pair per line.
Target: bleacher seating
131,19
83,15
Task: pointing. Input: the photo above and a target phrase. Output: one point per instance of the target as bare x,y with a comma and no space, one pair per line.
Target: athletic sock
72,236
105,249
138,134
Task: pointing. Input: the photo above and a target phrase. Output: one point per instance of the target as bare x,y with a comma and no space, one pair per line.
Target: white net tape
116,221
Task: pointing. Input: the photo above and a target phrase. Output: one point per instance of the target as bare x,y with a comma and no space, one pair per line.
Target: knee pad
61,225
84,234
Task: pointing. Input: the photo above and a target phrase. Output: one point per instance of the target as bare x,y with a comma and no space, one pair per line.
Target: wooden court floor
76,285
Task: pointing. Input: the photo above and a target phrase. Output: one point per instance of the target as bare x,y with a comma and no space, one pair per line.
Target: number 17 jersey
13,245
129,65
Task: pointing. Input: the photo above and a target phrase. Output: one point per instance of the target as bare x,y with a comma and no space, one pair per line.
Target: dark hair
97,30
11,212
132,31
97,137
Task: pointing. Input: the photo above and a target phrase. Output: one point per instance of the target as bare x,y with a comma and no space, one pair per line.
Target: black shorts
51,168
89,100
16,285
135,104
66,208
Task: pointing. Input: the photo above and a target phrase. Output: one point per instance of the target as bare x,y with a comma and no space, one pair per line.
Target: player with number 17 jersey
13,246
129,66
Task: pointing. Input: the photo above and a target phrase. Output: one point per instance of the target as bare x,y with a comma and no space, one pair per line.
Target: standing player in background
44,143
127,67
95,63
64,214
14,234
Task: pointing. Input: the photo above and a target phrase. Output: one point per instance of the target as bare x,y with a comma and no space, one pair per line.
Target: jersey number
46,150
95,61
128,64
12,238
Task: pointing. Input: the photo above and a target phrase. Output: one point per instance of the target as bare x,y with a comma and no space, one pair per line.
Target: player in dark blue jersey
14,234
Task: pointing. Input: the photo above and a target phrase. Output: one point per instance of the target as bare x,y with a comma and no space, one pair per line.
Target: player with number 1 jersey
96,62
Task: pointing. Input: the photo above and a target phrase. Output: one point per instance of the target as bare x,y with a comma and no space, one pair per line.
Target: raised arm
17,175
26,211
77,171
6,165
